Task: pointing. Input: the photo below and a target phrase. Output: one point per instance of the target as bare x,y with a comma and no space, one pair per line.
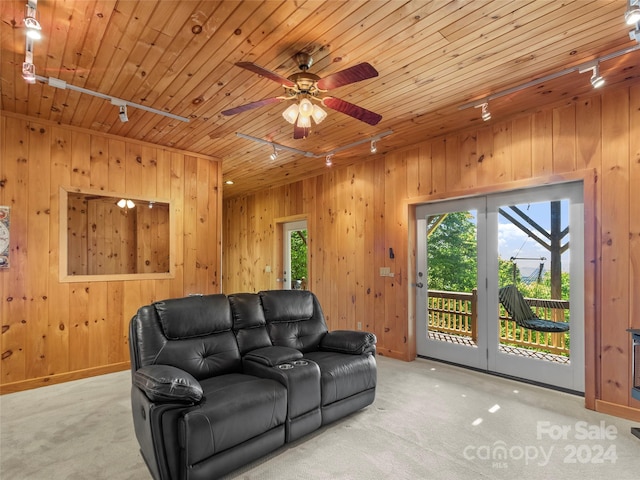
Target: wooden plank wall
53,331
356,214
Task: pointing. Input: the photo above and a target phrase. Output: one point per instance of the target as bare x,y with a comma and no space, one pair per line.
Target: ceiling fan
306,87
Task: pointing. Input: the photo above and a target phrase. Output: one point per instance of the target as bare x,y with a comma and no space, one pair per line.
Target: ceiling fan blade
354,74
367,116
252,105
252,67
300,132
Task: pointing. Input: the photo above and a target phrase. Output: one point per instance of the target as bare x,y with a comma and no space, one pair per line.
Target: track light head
374,146
123,114
596,79
329,160
486,114
632,15
274,154
29,72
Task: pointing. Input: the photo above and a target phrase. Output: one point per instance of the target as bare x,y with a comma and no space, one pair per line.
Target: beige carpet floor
429,421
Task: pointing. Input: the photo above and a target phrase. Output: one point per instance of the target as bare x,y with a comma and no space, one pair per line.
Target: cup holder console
295,363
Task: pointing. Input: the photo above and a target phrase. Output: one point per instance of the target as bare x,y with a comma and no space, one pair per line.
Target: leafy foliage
299,256
452,254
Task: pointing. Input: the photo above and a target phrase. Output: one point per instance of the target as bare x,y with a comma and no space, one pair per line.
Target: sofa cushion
343,375
294,319
194,316
234,409
249,323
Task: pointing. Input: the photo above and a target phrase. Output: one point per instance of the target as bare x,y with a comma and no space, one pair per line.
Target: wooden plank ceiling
179,56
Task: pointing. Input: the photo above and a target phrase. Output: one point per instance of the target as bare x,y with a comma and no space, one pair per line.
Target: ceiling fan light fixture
304,121
291,113
305,109
318,114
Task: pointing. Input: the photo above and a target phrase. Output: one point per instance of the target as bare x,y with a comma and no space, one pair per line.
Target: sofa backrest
249,323
192,333
294,318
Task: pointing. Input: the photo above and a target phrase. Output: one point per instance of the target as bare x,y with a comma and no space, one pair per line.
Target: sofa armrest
164,383
274,355
349,341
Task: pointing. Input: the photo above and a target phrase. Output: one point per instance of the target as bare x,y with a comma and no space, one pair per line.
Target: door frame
278,247
592,313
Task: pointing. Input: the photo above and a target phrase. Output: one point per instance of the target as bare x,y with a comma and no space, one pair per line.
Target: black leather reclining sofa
219,381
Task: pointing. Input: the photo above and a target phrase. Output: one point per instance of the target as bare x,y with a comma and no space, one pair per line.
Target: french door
469,248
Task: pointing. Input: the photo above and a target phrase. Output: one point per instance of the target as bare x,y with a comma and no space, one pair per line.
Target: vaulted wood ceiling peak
179,57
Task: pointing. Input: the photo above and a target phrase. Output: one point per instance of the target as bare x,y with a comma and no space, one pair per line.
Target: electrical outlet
267,269
359,325
385,271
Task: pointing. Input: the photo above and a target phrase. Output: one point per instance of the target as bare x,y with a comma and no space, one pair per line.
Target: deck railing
455,313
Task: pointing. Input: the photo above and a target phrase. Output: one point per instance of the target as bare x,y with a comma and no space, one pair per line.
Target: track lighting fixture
592,65
329,160
635,33
274,155
632,15
596,79
123,114
30,21
486,114
327,155
374,147
29,72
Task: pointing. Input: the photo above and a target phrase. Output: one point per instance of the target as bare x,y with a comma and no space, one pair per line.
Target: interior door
520,238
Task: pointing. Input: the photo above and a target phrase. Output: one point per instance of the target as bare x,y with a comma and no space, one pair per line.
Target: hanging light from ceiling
302,113
632,15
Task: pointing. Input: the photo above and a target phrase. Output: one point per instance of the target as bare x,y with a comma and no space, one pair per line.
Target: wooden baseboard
616,410
62,378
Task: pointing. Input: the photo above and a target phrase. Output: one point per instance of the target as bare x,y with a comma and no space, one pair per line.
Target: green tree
299,255
452,253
